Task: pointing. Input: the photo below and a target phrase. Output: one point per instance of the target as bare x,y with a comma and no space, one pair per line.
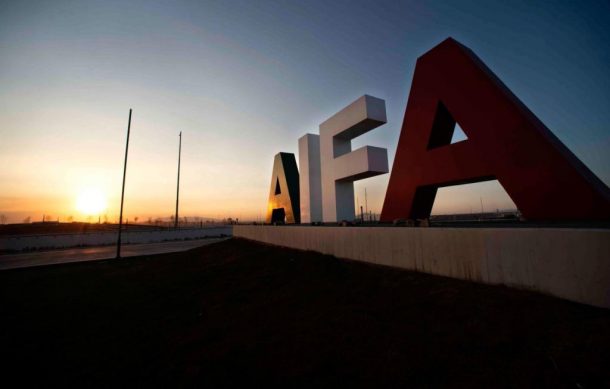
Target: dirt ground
242,313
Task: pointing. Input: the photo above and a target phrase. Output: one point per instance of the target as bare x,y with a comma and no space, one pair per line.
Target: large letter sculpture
310,178
505,142
339,165
283,205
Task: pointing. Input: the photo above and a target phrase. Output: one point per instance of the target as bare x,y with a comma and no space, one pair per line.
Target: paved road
39,258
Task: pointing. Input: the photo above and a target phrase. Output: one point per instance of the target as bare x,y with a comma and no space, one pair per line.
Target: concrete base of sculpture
573,264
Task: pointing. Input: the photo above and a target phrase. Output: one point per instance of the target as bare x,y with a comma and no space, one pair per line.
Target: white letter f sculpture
329,167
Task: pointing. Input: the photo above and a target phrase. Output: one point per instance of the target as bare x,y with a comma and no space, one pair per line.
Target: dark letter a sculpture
505,142
284,203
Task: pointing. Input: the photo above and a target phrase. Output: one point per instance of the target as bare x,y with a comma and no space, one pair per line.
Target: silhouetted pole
178,184
366,204
118,243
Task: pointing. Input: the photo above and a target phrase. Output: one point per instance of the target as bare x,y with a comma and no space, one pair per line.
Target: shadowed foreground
241,312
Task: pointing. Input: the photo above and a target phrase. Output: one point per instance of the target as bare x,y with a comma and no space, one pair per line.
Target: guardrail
65,240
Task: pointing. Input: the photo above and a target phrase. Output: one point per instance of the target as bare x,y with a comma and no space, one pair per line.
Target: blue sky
244,79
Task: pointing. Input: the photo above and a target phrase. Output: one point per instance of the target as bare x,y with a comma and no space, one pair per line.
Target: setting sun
91,201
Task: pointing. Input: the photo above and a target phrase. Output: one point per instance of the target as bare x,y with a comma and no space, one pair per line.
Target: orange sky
245,81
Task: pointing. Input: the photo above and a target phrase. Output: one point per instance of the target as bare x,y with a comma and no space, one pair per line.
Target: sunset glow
91,201
243,81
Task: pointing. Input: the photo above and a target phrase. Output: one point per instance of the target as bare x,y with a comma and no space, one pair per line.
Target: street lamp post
118,243
178,183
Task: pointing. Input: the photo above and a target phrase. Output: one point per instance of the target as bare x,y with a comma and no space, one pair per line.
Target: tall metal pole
118,243
366,204
178,183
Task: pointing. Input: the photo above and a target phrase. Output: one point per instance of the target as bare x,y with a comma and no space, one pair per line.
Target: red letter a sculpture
505,142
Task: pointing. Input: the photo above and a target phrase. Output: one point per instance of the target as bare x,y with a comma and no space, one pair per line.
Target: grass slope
242,312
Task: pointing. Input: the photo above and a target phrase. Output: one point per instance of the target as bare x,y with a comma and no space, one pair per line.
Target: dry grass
241,312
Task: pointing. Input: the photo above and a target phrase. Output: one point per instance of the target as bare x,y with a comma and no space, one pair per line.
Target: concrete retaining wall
573,264
36,242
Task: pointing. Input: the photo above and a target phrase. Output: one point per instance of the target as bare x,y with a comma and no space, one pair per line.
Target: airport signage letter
283,204
329,167
505,142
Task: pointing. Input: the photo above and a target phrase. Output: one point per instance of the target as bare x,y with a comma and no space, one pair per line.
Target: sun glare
91,201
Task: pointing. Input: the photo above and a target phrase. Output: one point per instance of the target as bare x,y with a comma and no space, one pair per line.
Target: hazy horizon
244,80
